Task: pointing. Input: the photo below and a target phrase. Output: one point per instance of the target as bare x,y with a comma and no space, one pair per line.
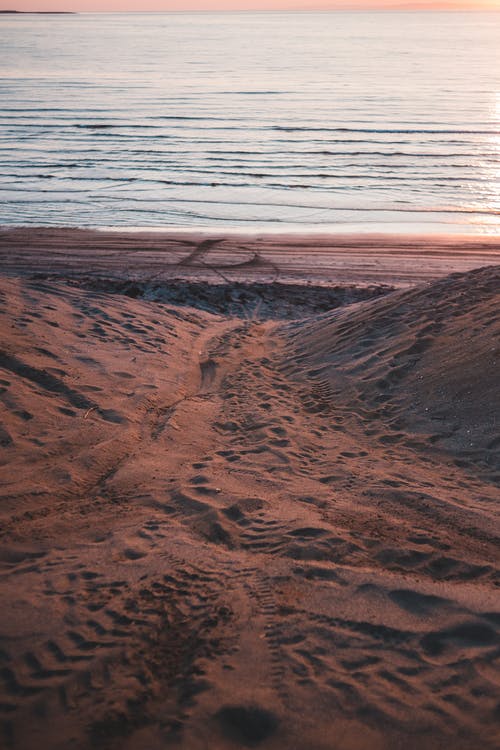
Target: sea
252,122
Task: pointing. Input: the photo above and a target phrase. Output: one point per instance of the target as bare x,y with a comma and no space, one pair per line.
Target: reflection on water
254,121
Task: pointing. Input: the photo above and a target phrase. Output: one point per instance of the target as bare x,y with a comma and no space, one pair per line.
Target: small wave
251,93
136,202
396,131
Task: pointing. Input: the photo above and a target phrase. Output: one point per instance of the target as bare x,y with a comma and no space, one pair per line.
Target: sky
185,5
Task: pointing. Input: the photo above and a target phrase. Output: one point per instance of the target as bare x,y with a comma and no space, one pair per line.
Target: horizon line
206,11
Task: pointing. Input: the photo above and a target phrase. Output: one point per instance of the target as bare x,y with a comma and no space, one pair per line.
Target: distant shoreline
39,12
340,11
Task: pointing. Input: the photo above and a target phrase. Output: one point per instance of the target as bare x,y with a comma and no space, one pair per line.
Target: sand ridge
221,531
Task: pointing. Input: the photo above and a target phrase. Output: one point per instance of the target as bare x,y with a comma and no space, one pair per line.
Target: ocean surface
252,121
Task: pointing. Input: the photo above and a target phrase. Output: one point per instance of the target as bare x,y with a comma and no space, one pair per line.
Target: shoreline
396,260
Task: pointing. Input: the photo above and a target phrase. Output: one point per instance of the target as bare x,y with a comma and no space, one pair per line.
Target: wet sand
400,260
249,516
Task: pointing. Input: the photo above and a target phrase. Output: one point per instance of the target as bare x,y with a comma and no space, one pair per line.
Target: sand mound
425,362
232,533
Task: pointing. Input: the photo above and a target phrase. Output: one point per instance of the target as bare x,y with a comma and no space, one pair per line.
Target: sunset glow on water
351,121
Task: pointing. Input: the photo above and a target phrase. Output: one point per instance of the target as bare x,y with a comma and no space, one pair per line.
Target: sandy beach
398,260
250,491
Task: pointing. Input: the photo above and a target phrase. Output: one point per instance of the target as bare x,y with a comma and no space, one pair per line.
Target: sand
249,516
398,260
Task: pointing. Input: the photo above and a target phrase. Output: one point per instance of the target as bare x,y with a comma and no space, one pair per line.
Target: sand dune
425,361
221,532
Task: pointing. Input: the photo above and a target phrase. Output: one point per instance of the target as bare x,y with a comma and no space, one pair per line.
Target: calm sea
331,121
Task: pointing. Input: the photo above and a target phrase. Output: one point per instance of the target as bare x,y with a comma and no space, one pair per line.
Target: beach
218,256
250,491
249,389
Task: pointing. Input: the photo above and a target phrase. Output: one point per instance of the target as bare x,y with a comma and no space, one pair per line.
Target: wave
246,128
243,156
350,208
402,131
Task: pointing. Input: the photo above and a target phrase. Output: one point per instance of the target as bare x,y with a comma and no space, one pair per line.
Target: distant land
405,6
42,12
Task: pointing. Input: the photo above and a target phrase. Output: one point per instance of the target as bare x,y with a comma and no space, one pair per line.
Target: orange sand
243,529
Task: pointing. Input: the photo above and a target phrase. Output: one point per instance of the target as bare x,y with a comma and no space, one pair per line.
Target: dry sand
254,524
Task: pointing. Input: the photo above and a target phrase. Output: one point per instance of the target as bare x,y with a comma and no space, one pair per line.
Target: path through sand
226,533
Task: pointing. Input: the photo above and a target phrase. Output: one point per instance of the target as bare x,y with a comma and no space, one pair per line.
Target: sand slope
425,361
232,533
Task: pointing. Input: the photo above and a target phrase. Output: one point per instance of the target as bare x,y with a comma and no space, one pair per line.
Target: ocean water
252,121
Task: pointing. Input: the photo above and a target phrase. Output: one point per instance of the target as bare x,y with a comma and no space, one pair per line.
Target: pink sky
165,5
